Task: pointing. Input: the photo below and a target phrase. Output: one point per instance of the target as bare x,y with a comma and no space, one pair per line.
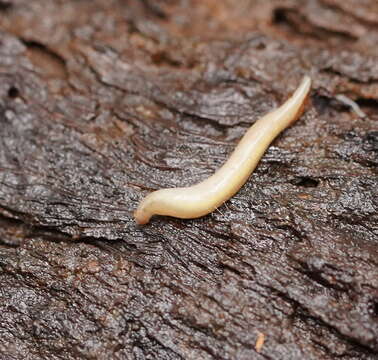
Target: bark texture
104,101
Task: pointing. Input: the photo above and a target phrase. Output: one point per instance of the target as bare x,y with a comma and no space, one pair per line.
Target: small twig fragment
259,341
352,104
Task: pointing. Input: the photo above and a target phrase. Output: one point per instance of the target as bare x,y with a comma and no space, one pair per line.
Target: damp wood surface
102,102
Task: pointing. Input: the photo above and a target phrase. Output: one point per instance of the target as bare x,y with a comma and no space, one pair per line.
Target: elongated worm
204,197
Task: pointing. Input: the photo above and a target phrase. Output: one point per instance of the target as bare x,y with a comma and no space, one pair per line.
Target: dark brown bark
104,101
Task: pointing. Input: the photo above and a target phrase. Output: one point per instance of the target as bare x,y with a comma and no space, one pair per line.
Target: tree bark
102,102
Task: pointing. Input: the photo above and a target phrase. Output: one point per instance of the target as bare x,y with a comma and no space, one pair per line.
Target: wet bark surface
102,102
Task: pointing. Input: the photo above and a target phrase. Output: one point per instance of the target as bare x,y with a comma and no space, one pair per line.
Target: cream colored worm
201,199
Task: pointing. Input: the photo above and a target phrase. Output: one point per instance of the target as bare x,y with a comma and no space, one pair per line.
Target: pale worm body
204,197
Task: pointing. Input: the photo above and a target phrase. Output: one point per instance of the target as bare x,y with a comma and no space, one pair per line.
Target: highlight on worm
203,198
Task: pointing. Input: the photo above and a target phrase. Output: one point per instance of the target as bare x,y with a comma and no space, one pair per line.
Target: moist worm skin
201,199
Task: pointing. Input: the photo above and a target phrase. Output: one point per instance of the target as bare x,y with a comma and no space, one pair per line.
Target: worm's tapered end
305,88
141,217
297,102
